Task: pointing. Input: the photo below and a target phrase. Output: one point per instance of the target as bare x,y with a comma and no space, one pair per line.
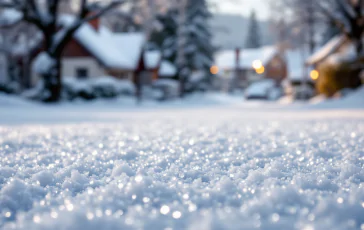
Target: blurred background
277,50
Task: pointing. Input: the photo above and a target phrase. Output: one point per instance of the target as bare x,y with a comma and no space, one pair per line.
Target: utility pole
181,43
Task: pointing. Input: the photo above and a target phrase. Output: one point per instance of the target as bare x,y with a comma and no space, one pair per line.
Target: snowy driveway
198,169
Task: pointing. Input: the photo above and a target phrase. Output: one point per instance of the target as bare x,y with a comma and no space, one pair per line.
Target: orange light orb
214,70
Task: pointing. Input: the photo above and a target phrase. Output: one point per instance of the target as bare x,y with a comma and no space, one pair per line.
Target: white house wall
70,65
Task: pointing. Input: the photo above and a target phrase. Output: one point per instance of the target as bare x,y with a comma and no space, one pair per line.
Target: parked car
264,90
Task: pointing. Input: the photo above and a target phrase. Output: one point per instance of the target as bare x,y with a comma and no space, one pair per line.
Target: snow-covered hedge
103,87
168,87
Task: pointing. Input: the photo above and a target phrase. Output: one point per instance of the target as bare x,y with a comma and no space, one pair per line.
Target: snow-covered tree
45,16
253,39
194,41
165,38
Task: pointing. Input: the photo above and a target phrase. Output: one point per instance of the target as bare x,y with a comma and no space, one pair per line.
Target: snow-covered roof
167,69
9,17
114,50
329,48
152,58
297,70
226,59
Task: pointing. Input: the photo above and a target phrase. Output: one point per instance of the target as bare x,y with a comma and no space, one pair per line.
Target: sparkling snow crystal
225,168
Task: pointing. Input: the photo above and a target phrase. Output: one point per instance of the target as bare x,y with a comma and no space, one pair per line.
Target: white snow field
242,166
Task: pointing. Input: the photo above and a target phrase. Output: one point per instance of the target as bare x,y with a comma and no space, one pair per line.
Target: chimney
237,58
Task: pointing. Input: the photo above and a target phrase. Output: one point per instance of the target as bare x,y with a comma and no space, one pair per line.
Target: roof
152,59
297,70
167,69
226,59
114,50
325,51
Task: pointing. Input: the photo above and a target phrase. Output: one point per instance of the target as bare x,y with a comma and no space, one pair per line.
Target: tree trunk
359,48
52,83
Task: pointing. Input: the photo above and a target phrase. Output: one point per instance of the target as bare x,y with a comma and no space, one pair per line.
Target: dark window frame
82,73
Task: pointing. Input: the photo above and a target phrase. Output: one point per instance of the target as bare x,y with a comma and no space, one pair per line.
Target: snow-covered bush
102,87
74,88
34,93
9,88
168,87
149,92
337,76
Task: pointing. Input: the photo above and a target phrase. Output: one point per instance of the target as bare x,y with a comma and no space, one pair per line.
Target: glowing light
165,210
261,70
314,74
8,214
214,70
257,64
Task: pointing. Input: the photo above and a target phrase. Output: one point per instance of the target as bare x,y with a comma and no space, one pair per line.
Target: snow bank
354,100
7,100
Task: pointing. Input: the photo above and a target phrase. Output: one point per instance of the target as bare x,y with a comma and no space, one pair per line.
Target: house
339,45
244,66
298,83
95,51
340,49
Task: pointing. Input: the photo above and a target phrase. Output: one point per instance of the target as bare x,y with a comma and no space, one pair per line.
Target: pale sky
244,7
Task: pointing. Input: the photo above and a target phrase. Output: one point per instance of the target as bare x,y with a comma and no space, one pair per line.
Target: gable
75,49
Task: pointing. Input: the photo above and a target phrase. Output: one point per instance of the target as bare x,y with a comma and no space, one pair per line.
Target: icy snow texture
218,168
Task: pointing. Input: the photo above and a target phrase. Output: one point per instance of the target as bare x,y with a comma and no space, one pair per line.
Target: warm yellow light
261,70
214,69
257,64
314,74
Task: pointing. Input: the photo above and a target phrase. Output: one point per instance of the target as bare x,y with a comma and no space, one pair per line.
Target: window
82,73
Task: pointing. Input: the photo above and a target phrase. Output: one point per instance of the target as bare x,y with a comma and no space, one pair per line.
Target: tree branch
86,18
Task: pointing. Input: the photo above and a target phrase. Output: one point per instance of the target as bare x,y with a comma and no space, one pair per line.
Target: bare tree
312,15
348,16
46,18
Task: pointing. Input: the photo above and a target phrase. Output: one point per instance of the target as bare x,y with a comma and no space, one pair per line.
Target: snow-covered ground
227,165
